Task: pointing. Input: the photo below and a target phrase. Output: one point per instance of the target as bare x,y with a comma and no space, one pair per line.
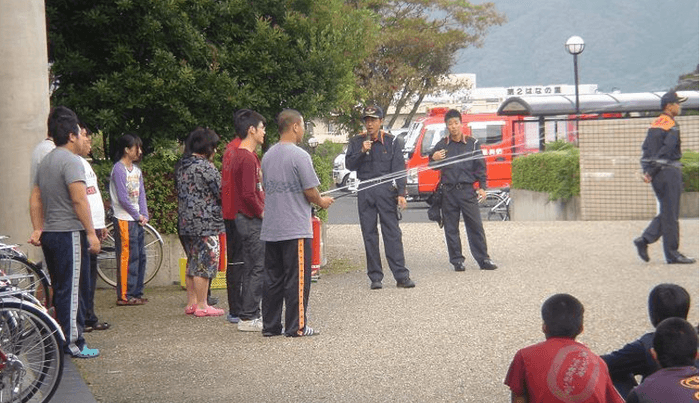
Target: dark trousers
252,273
67,260
668,185
380,201
90,316
131,258
456,200
234,267
288,283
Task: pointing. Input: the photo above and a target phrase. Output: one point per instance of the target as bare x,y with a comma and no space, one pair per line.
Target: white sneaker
254,325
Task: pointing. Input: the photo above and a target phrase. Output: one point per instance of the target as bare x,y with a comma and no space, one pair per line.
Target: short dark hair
453,113
668,301
84,126
126,141
202,141
563,316
287,118
245,118
675,343
62,122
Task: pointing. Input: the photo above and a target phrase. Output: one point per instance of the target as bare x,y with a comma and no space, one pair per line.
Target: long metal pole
576,79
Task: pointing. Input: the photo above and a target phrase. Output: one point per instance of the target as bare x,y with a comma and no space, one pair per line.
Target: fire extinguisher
315,247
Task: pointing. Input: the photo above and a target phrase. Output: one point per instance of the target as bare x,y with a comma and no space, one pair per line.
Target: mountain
631,45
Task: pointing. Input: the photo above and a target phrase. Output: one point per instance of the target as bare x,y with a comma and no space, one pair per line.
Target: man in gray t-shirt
290,185
63,227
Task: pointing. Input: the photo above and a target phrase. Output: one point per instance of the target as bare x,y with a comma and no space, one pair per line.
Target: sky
631,45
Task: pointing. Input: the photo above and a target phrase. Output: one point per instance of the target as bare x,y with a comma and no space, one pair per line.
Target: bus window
487,132
433,134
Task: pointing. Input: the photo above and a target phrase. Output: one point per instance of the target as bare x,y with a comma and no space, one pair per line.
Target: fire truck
499,138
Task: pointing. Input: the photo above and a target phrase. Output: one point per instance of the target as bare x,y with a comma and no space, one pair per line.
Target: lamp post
575,45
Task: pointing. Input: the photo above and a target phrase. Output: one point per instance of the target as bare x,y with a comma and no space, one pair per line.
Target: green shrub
690,171
553,172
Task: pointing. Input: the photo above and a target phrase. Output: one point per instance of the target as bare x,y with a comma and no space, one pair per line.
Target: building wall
24,108
611,184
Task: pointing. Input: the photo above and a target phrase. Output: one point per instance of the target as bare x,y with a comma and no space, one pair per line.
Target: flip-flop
189,310
101,326
210,311
130,301
88,353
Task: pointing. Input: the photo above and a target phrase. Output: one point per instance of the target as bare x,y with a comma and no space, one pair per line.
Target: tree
159,68
417,45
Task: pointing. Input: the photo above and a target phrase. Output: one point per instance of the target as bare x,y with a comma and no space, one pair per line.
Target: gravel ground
449,339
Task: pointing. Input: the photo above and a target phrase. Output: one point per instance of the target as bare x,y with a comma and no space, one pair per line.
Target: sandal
87,353
130,301
189,310
210,311
97,326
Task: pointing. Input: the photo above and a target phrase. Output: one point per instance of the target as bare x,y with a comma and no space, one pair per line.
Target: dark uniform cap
671,98
373,112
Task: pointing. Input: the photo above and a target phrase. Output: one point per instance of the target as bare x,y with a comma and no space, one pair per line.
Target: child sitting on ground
665,301
675,349
560,369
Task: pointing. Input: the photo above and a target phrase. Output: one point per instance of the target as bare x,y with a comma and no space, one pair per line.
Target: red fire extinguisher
316,246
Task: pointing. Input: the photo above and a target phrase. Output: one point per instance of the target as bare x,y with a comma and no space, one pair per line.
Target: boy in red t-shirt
560,369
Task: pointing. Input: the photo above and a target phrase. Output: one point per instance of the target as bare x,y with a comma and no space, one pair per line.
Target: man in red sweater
249,202
233,244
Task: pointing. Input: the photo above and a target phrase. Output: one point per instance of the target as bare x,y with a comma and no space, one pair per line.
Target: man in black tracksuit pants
459,196
661,152
374,154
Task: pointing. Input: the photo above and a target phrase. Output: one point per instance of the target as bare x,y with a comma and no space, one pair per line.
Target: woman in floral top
199,218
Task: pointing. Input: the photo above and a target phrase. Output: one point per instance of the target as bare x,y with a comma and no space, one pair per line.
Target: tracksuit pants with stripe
287,282
68,262
131,258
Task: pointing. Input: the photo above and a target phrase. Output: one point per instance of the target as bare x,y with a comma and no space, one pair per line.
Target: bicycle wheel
494,208
35,280
30,342
107,261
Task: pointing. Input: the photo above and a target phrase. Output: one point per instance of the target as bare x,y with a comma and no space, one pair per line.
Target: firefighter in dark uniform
374,154
458,192
661,154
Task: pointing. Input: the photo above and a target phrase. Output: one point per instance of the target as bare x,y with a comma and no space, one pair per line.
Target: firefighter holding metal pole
374,154
459,195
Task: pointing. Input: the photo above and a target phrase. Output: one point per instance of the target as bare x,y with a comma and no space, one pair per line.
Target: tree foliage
159,68
417,44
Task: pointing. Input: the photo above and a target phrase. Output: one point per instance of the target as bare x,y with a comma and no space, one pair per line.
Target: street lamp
575,45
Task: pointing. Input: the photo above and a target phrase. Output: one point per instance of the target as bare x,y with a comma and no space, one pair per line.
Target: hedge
556,171
553,172
158,177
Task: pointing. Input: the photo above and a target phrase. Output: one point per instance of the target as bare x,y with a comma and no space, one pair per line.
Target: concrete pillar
24,108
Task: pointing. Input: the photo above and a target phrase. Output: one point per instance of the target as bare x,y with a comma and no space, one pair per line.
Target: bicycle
32,277
107,258
496,205
31,352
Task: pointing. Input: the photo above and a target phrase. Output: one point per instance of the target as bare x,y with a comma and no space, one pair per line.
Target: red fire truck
499,138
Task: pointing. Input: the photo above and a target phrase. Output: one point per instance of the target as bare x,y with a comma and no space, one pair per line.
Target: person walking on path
249,203
290,184
457,181
60,215
128,198
661,154
373,154
199,218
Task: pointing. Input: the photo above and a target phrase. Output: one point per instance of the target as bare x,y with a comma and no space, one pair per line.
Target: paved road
449,339
344,211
